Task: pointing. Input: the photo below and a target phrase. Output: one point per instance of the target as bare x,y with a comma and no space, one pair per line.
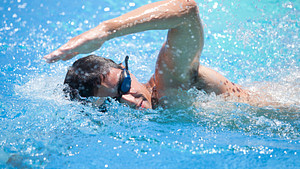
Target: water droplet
215,5
131,4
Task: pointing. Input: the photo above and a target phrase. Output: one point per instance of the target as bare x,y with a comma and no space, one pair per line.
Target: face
137,97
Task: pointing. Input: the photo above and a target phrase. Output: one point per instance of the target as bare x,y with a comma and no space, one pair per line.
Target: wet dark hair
84,76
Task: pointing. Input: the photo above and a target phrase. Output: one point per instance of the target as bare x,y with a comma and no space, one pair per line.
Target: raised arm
168,14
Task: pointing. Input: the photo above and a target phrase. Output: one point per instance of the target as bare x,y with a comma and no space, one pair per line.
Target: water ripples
247,42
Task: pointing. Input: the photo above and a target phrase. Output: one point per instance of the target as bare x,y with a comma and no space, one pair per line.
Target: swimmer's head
86,75
100,77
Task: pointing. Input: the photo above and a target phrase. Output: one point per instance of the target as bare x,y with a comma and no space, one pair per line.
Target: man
177,65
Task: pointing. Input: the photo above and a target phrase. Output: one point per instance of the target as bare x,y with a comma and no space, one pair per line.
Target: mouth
141,104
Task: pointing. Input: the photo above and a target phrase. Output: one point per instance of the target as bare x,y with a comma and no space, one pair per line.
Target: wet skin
138,95
178,57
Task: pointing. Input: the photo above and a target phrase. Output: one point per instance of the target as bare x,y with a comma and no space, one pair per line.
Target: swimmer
177,65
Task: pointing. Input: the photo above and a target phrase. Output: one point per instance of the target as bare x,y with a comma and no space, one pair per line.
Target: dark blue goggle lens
125,84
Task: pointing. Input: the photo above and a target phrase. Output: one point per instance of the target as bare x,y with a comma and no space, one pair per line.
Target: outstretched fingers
60,54
54,56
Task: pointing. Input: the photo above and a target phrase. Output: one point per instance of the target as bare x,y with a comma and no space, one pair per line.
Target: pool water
253,43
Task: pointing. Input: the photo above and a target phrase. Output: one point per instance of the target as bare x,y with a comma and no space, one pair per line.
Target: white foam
43,87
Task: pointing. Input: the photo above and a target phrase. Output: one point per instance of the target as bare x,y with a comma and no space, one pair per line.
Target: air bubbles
288,5
106,9
215,5
22,6
131,4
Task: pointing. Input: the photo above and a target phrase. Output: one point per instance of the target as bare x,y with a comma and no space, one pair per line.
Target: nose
132,94
129,99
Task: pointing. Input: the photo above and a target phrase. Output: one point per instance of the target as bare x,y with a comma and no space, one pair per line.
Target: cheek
137,87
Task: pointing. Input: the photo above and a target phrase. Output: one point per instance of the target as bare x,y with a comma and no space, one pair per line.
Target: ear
122,65
97,81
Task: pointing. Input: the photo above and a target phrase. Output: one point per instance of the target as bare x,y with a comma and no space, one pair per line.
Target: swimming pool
252,43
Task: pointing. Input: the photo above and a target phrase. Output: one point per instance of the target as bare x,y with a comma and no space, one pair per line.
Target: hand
85,43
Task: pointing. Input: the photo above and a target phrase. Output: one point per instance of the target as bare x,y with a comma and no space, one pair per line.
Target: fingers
78,44
59,55
53,57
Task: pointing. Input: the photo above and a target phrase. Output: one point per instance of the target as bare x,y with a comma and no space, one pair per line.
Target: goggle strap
126,62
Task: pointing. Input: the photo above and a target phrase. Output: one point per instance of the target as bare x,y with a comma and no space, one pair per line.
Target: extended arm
211,81
166,14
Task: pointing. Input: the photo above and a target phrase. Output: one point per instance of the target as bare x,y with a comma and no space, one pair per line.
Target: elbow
190,5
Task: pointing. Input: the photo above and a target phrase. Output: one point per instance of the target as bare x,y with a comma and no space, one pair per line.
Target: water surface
253,43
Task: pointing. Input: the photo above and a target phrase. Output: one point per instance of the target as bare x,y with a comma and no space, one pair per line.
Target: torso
159,89
201,78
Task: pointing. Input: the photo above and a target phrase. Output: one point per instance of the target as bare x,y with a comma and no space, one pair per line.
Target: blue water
254,43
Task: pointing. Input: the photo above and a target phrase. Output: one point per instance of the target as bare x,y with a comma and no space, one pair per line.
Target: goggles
124,86
125,80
